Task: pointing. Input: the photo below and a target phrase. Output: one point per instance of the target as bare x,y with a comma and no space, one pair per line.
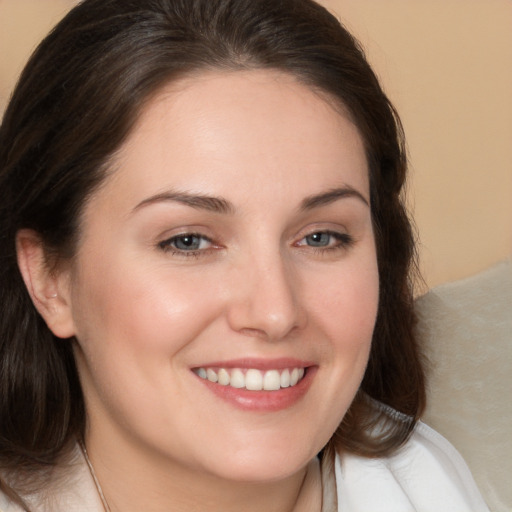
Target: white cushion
466,328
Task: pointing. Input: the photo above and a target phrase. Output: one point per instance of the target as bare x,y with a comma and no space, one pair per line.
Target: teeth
210,375
272,380
237,379
223,377
285,379
253,379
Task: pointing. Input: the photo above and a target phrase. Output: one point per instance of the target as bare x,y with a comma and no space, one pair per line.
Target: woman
205,279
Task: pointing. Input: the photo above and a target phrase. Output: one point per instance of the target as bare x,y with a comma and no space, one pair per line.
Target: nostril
264,304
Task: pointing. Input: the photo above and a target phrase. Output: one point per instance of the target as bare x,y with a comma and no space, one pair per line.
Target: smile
252,379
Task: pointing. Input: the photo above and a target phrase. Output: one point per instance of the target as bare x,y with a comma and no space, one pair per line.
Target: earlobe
47,287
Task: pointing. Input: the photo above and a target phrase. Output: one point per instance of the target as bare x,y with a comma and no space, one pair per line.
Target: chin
260,464
267,471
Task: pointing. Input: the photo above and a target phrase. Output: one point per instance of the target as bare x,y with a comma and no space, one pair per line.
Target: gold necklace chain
100,490
95,478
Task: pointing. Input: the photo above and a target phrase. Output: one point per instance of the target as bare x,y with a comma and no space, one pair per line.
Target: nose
265,299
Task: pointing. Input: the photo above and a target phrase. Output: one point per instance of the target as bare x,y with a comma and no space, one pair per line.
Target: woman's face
224,291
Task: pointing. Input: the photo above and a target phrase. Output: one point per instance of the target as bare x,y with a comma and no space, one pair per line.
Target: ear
49,288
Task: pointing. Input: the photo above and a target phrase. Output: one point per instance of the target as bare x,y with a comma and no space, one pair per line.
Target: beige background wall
446,64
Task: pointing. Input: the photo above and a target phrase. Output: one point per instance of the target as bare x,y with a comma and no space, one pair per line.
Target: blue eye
326,240
318,239
188,242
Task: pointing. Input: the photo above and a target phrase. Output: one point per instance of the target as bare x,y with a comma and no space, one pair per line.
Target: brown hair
76,102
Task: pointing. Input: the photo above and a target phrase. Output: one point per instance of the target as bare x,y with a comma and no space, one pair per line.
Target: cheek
343,307
125,308
134,326
346,304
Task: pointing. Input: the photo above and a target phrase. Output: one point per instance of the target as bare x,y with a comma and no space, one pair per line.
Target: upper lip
258,363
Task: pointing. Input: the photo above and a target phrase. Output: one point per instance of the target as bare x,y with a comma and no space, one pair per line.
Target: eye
318,239
326,240
186,243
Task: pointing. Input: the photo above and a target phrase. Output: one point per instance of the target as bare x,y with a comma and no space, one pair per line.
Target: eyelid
330,232
333,228
343,240
340,239
167,243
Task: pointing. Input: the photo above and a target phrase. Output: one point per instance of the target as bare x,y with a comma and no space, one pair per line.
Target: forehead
217,129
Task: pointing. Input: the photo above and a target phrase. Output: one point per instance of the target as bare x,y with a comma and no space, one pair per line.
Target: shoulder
426,474
68,488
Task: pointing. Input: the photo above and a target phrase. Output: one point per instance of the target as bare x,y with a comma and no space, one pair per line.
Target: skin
145,313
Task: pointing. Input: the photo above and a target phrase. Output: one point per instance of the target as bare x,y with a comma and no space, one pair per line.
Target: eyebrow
330,196
223,206
197,201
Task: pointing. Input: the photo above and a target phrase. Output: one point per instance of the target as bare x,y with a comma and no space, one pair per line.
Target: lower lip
264,401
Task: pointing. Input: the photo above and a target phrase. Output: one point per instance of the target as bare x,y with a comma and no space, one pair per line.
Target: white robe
426,475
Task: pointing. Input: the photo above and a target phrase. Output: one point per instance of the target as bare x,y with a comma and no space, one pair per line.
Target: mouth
253,379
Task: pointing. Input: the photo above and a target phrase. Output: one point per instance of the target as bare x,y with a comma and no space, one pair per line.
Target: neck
130,483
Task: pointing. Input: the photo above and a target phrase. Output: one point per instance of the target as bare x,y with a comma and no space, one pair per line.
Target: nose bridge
265,302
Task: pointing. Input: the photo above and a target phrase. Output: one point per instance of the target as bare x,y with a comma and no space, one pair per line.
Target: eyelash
343,242
167,245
